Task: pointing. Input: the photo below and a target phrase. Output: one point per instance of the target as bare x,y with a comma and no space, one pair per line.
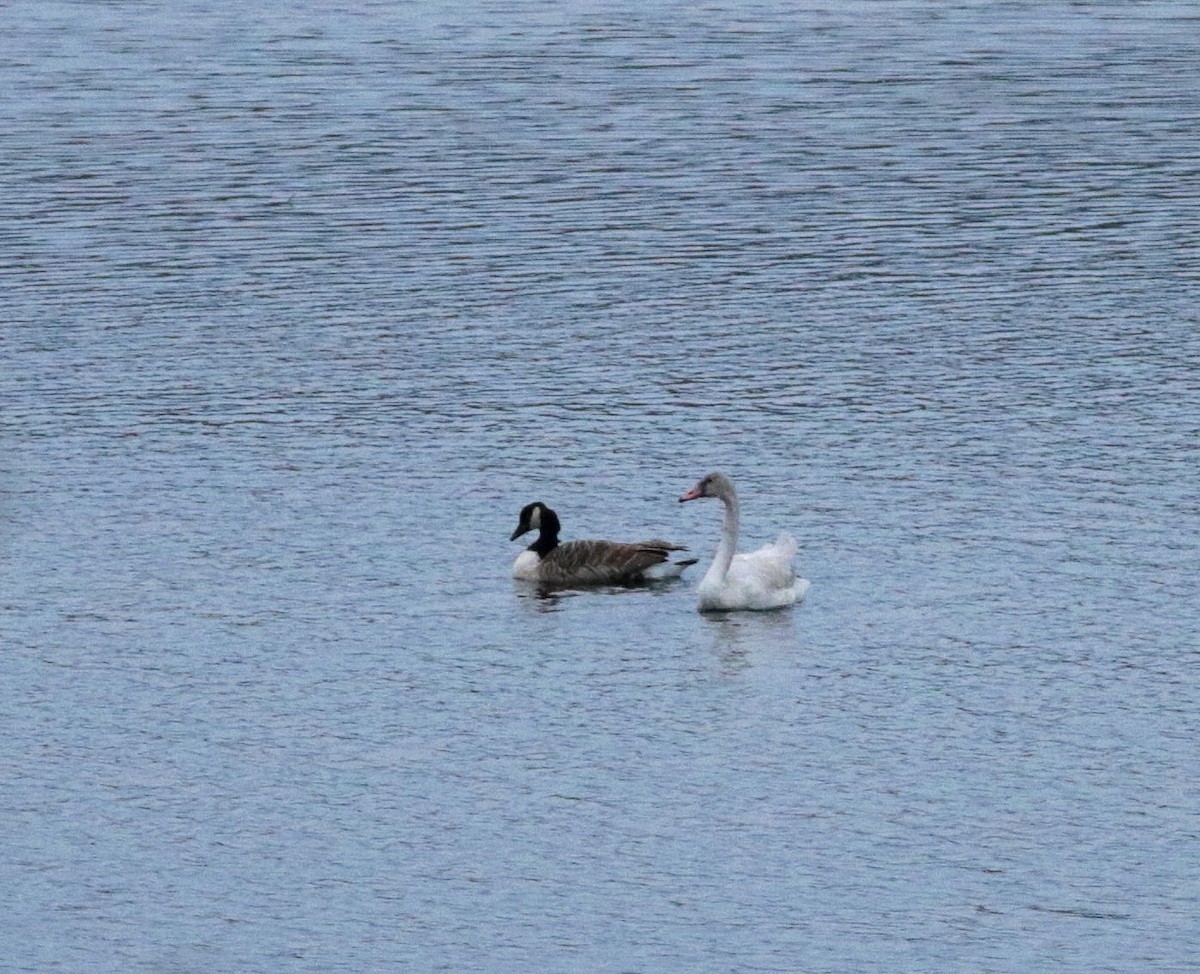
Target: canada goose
762,579
588,562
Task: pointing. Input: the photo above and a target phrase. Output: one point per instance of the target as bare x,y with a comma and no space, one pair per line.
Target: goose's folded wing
598,562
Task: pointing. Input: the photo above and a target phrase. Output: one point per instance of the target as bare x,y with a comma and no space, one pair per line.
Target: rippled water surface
301,306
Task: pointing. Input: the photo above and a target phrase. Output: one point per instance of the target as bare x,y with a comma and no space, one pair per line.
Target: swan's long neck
729,540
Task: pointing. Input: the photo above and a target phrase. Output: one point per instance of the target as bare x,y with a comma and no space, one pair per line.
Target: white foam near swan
755,580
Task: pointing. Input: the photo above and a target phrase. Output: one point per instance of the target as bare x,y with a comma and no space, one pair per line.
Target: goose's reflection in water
541,597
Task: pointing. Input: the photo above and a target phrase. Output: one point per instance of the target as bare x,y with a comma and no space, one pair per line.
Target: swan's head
533,517
710,485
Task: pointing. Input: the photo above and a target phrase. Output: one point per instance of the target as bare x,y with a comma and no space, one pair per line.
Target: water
302,306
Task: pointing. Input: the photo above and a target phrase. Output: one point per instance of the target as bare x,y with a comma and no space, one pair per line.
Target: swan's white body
753,580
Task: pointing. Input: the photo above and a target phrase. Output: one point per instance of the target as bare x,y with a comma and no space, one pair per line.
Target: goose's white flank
581,563
762,579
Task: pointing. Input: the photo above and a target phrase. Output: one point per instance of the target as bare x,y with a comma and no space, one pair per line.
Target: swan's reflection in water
739,637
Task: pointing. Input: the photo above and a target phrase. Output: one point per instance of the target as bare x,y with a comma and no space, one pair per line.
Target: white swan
762,579
588,562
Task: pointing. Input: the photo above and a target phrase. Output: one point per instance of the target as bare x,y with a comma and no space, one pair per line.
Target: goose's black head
537,516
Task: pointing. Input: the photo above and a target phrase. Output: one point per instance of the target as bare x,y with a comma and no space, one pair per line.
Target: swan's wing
782,548
764,574
602,562
769,567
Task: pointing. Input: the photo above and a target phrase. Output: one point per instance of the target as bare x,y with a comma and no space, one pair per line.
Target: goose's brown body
589,562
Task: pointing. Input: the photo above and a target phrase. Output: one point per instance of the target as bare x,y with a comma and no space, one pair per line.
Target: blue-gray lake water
301,305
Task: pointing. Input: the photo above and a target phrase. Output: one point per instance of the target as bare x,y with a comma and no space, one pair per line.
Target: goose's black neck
548,528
